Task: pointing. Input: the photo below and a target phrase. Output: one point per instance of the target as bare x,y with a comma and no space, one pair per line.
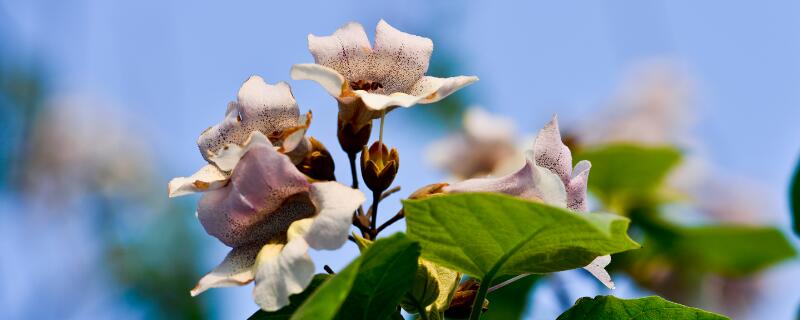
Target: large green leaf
649,308
625,171
368,288
794,199
295,301
484,234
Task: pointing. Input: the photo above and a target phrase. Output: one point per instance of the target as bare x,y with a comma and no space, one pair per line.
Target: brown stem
400,215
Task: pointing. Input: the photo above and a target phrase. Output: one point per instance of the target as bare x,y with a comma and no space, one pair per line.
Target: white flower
547,176
486,146
259,203
368,81
270,215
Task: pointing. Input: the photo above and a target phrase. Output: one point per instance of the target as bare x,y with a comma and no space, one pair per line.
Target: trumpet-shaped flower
547,176
270,215
368,81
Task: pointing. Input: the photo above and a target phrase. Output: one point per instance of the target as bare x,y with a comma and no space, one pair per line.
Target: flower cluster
268,188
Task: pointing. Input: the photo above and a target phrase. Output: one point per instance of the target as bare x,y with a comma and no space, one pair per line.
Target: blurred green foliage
649,308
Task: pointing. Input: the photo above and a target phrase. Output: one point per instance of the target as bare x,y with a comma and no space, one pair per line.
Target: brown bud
318,163
379,166
427,191
461,305
351,139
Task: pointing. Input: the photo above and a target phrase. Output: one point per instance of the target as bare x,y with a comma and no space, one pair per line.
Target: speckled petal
328,78
551,153
576,189
433,89
598,269
208,178
530,182
235,270
282,270
336,204
347,51
259,107
399,59
229,155
246,210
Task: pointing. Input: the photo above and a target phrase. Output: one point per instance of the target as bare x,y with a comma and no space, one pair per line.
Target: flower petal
576,189
209,177
486,127
336,204
347,51
259,107
530,182
549,152
265,194
328,78
235,270
400,59
228,157
433,89
598,269
281,271
378,102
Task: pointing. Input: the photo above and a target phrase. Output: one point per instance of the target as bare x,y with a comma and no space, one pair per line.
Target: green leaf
370,287
628,171
294,302
794,198
479,233
649,308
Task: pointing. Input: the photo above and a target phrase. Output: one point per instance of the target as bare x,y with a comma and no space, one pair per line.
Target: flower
486,146
270,109
547,176
259,203
270,215
369,81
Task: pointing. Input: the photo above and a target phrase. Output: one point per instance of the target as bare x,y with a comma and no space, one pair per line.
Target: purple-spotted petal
433,89
347,51
550,153
235,270
598,269
335,203
259,107
282,270
530,182
247,209
399,59
209,177
576,189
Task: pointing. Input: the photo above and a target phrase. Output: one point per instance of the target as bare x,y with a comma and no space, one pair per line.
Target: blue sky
173,66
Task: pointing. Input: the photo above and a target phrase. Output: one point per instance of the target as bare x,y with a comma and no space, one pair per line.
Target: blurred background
101,103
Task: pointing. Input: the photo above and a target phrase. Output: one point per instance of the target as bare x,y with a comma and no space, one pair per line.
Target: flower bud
352,139
379,166
461,305
318,163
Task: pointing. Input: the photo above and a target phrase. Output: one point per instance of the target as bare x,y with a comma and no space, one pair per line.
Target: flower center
365,85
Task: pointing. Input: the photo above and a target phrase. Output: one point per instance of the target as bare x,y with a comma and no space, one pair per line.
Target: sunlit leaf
484,234
370,287
649,308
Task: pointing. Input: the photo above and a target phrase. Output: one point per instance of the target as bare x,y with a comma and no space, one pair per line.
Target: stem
483,290
376,199
380,137
507,282
352,158
400,215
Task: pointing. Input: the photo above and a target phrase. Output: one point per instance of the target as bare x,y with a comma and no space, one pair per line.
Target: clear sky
173,66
